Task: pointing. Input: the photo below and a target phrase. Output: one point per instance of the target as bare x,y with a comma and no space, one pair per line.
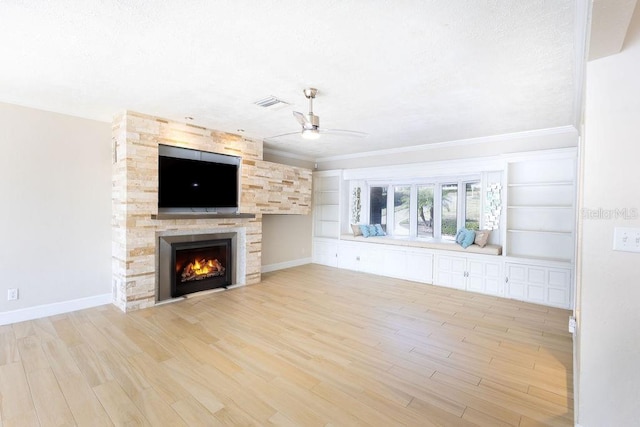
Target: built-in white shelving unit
541,209
326,199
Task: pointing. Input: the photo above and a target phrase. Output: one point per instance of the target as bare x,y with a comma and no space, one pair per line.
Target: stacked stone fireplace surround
266,188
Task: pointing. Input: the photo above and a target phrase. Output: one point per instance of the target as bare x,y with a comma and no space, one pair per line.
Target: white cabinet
325,251
471,273
386,260
543,284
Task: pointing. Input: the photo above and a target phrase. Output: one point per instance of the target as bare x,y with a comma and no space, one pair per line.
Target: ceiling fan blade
283,134
344,132
301,118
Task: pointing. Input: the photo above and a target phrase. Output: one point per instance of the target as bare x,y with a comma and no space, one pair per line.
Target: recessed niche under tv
193,181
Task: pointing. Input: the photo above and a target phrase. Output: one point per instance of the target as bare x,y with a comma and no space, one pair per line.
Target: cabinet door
516,285
539,284
394,263
348,256
536,284
475,280
451,272
493,278
372,259
559,291
419,266
325,253
484,276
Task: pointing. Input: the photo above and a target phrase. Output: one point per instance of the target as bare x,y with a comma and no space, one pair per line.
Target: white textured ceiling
407,72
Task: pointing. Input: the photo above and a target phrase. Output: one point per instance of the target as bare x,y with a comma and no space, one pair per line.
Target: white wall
286,240
609,304
55,190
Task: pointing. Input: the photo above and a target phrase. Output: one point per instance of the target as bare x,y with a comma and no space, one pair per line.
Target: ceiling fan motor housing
314,120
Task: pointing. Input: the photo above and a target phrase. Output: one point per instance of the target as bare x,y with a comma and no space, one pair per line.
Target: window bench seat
447,246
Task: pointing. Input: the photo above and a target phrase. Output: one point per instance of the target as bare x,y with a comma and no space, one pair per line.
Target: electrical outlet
12,294
626,239
572,324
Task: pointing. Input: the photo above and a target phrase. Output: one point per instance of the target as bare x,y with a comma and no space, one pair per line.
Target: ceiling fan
311,123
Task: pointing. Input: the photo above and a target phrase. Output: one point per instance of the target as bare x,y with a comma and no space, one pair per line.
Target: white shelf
566,233
541,184
541,207
525,258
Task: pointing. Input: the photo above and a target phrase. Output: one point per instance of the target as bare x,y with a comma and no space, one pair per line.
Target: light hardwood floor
309,346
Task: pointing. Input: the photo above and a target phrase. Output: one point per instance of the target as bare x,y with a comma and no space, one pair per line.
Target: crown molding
560,130
458,167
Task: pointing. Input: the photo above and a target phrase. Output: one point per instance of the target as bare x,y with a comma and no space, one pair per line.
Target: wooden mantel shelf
201,215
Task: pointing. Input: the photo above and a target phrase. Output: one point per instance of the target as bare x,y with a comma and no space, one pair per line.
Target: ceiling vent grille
271,102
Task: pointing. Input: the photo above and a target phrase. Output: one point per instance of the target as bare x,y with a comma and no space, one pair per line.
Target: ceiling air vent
271,102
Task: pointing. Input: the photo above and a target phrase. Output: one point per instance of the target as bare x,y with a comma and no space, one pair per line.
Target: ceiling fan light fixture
310,133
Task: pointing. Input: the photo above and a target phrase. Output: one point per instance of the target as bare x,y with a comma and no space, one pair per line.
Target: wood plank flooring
309,346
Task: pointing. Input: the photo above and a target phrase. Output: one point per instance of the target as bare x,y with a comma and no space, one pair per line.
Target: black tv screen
188,183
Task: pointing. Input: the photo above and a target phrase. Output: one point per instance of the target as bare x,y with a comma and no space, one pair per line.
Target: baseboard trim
45,310
288,264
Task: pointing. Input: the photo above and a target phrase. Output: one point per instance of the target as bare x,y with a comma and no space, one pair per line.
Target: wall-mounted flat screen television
197,181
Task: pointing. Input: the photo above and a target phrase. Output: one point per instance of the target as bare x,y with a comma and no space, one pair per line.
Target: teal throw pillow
460,236
469,236
372,230
366,231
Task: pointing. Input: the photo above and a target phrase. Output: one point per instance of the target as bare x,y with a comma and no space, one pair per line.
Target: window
449,211
401,210
425,211
472,205
378,206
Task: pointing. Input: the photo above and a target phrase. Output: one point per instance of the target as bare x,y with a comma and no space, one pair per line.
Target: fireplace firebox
195,262
199,266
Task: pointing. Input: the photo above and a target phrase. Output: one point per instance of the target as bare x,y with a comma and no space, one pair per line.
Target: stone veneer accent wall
266,188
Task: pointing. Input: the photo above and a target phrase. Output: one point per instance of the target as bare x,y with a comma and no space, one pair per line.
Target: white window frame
437,182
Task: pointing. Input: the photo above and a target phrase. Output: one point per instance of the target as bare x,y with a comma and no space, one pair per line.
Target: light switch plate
626,239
